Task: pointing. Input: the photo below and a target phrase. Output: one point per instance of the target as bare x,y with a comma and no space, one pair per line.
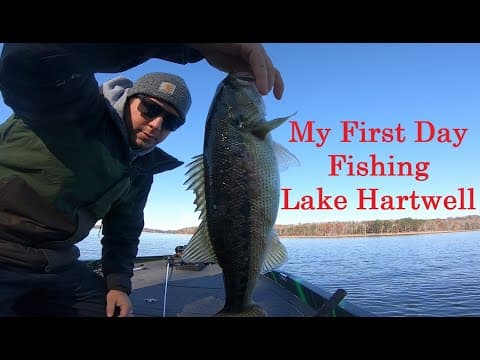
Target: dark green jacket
65,160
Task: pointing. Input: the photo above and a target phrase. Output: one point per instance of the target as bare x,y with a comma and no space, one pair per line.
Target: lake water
417,275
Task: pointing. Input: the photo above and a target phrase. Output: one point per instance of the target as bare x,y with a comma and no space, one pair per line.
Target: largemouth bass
237,186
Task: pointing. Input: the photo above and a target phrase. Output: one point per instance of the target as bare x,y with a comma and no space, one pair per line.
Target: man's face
148,121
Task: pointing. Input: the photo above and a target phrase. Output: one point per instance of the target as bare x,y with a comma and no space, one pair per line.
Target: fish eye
240,122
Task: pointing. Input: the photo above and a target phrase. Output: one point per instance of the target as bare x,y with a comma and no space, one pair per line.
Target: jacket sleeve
121,231
41,81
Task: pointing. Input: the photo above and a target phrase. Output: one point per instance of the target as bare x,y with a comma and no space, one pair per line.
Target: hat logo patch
167,88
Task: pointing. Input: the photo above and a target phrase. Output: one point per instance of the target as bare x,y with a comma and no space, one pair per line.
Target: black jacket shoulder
58,80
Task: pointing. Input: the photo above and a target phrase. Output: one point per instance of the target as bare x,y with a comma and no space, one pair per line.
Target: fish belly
242,190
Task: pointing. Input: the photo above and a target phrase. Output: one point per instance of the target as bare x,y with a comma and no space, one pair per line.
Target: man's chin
140,145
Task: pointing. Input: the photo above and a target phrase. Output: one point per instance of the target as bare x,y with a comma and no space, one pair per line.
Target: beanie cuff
165,87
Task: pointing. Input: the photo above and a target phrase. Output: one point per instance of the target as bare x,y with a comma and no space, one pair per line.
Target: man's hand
245,57
120,299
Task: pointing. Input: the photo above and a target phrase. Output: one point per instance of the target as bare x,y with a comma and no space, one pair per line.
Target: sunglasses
151,109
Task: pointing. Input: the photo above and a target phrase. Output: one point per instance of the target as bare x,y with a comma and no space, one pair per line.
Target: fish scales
241,195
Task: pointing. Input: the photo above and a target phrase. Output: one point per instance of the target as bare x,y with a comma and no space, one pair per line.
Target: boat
165,286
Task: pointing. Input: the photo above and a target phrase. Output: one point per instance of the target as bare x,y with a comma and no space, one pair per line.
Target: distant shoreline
366,228
347,229
407,233
379,234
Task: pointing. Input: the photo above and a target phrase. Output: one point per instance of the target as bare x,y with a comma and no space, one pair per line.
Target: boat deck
197,293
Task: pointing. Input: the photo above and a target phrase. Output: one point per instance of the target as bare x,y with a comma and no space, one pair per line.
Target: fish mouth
244,77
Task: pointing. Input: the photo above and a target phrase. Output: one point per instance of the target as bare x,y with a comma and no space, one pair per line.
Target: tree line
386,227
363,228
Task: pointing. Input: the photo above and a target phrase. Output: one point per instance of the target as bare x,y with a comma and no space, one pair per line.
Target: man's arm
48,81
121,230
56,81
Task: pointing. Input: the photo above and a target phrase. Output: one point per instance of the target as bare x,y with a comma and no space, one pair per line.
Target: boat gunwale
314,296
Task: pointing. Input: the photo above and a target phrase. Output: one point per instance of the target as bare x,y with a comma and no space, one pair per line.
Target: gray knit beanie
167,87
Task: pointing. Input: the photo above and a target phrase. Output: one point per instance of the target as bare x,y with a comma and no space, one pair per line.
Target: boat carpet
200,293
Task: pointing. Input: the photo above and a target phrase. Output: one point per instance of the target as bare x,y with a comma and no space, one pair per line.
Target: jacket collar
154,162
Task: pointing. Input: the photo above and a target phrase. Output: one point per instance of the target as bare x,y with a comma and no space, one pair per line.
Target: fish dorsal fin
276,255
265,127
285,158
199,248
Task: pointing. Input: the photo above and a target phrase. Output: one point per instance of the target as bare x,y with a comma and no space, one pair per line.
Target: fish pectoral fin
276,255
264,128
199,248
285,158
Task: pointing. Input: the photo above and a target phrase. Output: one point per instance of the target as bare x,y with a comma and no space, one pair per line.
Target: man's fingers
270,72
125,311
256,57
245,57
110,308
266,75
279,86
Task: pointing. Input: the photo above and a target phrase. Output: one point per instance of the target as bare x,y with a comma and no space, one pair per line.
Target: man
73,153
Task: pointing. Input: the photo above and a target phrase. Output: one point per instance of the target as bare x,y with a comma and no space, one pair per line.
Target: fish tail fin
252,310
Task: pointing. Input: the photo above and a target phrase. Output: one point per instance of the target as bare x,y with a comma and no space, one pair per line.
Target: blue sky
381,84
